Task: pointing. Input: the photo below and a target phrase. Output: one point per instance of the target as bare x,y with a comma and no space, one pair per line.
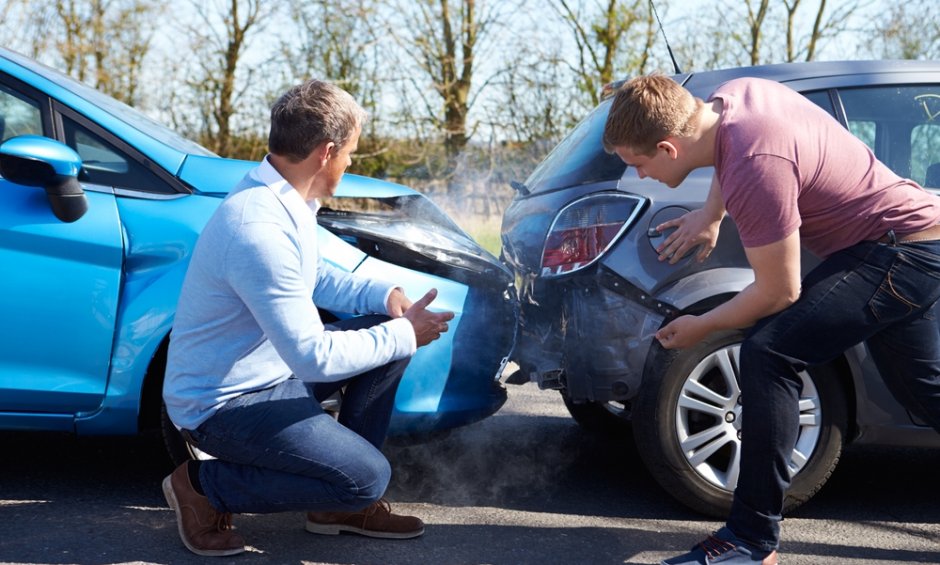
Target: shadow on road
582,499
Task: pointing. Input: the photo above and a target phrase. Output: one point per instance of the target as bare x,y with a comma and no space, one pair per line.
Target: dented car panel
403,236
149,192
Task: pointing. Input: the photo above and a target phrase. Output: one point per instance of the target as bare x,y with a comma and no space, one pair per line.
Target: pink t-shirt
784,164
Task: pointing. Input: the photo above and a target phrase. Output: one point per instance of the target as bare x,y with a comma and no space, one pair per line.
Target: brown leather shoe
376,521
203,529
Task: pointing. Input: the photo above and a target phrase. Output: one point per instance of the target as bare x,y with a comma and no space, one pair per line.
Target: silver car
580,238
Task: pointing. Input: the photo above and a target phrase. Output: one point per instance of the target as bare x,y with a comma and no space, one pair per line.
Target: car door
59,287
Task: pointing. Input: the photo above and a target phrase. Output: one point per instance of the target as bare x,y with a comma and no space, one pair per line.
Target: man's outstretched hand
397,303
428,325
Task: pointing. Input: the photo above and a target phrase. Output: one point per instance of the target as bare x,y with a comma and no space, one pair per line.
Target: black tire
707,485
599,418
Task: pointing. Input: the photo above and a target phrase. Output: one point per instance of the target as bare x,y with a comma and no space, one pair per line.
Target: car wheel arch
152,415
711,286
839,366
151,392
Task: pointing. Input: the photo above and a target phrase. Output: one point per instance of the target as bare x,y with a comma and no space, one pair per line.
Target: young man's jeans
882,293
277,450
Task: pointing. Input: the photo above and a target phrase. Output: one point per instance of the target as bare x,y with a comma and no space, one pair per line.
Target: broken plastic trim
386,226
590,337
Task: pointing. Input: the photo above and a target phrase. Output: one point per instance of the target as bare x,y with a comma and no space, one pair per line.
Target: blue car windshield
118,109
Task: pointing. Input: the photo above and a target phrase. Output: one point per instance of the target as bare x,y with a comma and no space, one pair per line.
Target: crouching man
250,359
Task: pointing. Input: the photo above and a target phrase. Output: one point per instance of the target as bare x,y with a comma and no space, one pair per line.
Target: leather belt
929,234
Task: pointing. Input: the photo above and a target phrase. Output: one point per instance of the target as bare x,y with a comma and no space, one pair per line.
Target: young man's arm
696,228
776,285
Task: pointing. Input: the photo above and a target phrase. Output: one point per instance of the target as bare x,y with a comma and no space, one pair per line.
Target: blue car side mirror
33,160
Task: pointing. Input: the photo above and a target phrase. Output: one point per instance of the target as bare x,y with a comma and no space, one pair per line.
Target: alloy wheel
708,419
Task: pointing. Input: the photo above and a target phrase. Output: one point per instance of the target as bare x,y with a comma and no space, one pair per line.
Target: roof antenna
675,65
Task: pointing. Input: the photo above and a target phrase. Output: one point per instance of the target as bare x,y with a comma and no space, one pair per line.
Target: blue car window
98,156
105,164
18,115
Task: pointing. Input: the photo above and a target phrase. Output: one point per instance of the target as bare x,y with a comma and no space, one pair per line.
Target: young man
250,359
789,175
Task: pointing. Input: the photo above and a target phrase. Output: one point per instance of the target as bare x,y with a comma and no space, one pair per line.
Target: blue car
99,209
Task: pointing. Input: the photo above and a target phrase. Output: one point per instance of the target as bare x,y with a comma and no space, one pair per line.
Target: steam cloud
510,456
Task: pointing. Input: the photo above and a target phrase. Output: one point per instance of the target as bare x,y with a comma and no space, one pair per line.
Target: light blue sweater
246,318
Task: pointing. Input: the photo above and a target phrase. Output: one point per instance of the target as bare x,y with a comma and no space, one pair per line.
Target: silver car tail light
585,229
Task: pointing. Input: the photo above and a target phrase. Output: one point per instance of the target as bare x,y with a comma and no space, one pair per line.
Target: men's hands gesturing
428,325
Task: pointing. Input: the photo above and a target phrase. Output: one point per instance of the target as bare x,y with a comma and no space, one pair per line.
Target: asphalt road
525,486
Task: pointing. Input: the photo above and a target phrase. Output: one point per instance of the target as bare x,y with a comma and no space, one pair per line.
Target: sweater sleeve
341,290
263,266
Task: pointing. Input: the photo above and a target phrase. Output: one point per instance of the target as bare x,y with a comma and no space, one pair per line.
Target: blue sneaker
723,547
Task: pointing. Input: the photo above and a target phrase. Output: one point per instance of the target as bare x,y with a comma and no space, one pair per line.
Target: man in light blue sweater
250,359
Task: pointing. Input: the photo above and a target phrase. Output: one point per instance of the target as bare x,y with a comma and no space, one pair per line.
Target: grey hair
312,113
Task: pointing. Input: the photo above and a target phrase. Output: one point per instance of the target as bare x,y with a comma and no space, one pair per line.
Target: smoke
511,456
526,449
474,190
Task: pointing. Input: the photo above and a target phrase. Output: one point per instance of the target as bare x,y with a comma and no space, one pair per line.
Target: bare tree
337,43
25,25
823,26
528,106
444,38
755,21
221,32
714,43
752,32
447,54
127,43
340,43
101,42
613,38
911,30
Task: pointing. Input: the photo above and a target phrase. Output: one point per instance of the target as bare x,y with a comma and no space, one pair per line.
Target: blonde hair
647,110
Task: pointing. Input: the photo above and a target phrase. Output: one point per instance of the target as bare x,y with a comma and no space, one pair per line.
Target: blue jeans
277,450
882,293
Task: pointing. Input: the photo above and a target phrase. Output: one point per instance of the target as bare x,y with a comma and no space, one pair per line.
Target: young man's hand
696,228
428,325
684,331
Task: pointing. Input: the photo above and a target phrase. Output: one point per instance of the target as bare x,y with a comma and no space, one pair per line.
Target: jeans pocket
911,285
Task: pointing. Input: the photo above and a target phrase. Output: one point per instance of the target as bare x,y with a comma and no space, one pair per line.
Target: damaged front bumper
405,238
